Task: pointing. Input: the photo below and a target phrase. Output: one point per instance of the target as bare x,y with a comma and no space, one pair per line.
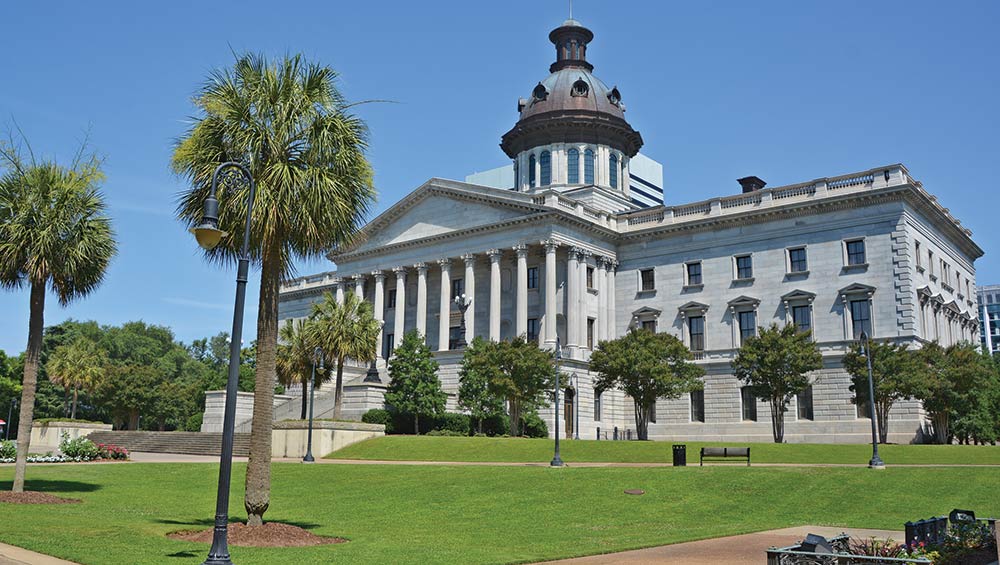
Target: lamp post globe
866,350
209,236
556,459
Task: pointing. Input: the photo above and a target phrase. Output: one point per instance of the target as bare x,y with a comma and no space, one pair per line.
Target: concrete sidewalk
12,555
747,549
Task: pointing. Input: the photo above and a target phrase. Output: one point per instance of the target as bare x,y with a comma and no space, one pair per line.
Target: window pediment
857,288
645,312
693,308
799,295
744,302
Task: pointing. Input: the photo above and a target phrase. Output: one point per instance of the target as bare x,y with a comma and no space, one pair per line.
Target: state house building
578,247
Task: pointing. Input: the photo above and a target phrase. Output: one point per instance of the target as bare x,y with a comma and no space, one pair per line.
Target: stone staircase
186,443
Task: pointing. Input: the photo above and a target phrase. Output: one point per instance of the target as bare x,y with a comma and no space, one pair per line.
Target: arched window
531,170
573,171
545,164
613,170
588,166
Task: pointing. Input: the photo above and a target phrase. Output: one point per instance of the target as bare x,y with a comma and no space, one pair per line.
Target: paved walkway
747,549
11,555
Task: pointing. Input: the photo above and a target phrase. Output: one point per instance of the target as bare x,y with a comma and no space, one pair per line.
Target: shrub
79,449
193,423
446,433
452,422
380,416
110,451
8,450
498,425
533,426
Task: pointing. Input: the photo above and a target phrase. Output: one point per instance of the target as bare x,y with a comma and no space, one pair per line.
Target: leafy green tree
774,365
344,331
896,374
959,389
517,371
288,122
80,364
646,366
54,234
295,358
414,387
474,394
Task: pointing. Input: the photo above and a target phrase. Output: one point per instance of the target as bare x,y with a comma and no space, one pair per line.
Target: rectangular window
797,260
698,406
646,280
693,273
920,261
749,405
744,267
391,299
802,317
532,329
390,345
597,405
804,400
590,334
696,329
930,261
532,278
454,336
861,317
590,277
652,413
856,252
748,325
457,288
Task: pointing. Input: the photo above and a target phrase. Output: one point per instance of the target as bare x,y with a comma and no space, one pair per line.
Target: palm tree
344,331
295,358
55,235
77,365
287,121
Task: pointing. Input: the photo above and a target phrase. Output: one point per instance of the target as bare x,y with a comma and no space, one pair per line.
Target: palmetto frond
295,353
347,330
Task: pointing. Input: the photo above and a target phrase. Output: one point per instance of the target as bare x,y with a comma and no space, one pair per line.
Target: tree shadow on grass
210,522
50,486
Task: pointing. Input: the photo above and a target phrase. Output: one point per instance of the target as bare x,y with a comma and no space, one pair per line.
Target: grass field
452,514
416,448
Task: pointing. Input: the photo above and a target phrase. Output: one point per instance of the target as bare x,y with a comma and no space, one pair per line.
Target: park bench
723,453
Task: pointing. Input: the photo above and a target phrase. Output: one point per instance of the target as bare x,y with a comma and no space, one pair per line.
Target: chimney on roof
751,184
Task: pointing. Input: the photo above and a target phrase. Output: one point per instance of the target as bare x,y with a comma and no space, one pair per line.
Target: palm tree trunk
258,482
72,414
338,400
36,322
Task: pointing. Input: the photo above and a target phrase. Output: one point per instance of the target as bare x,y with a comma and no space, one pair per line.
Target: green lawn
449,514
417,448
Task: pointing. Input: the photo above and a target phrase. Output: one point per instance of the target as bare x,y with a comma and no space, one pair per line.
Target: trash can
680,455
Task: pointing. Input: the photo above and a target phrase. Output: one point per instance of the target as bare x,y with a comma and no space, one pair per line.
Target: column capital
576,252
603,262
358,277
521,249
379,275
469,258
336,280
444,264
550,245
400,271
494,254
421,267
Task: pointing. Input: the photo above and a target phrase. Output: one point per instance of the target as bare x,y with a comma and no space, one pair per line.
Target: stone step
187,443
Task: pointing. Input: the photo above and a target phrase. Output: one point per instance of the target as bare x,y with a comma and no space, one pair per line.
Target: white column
444,322
521,321
359,286
600,280
584,297
422,300
470,293
580,163
339,290
379,300
398,326
494,255
572,301
612,312
551,318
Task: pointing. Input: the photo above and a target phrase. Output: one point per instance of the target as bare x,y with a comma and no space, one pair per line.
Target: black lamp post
463,303
209,235
866,350
317,353
556,460
576,406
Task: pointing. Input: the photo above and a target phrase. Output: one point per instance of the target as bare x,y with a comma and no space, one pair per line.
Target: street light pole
209,235
317,353
866,349
576,406
556,460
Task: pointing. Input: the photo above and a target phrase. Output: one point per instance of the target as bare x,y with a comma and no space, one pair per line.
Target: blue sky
789,91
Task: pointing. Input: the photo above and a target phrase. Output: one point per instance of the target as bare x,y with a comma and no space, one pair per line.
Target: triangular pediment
646,311
435,210
798,294
744,301
693,306
857,288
